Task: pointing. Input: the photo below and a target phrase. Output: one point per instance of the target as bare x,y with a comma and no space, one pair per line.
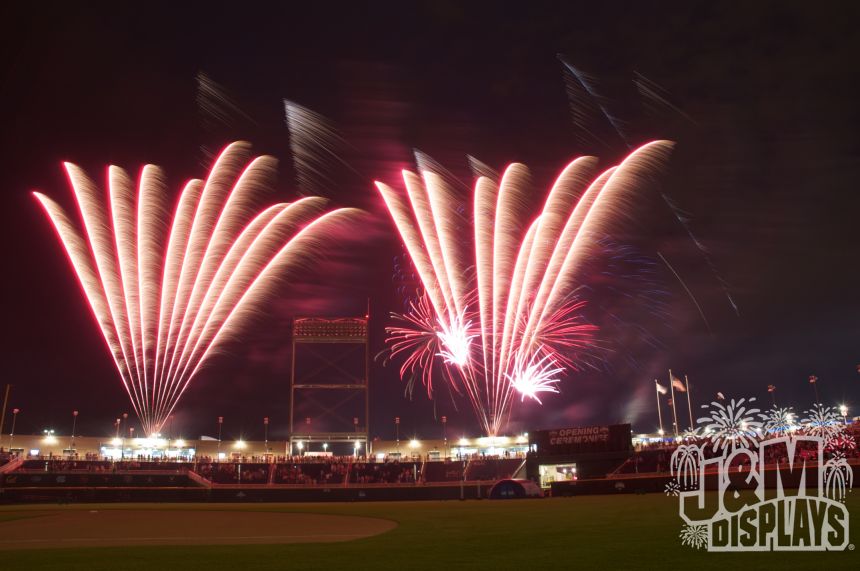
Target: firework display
168,290
499,306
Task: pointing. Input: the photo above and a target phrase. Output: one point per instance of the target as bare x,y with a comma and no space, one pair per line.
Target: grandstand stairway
12,465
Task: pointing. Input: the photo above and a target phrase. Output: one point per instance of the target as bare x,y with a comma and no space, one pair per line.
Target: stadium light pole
355,428
220,423
122,452
74,423
397,432
15,412
445,434
266,433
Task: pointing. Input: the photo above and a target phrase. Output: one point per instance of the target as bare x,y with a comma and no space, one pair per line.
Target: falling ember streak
165,292
456,340
537,375
521,277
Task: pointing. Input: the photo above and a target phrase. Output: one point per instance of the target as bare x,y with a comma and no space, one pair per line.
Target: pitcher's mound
83,528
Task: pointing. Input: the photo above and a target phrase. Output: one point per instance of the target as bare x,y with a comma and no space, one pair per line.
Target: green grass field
592,532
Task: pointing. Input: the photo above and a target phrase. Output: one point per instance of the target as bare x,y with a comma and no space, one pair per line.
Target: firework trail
166,292
502,316
651,91
586,104
219,113
584,98
480,169
217,107
315,145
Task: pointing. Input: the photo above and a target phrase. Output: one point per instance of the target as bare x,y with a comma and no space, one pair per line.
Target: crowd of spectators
656,457
101,466
384,473
313,471
234,472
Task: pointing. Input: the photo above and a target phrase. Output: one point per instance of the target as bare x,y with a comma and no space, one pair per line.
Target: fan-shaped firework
823,421
672,489
778,421
838,477
731,426
695,536
684,465
166,292
509,288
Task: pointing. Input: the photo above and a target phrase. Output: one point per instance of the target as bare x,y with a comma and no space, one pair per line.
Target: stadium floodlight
240,445
179,443
464,442
414,443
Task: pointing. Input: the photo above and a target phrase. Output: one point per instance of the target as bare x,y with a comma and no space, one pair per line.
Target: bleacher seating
384,472
300,471
233,472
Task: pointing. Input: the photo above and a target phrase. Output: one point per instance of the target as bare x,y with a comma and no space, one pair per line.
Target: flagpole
689,405
813,380
674,408
659,412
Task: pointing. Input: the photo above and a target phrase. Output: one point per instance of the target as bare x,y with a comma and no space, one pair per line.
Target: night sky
761,99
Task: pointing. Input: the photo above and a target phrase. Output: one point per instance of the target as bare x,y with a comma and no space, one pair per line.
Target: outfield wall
468,491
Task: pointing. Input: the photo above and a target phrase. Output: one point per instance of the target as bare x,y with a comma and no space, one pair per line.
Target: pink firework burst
167,290
519,275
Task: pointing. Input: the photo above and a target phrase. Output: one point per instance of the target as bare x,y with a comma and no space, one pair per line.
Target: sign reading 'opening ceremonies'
600,438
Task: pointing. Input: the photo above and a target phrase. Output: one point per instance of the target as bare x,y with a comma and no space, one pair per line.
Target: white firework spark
732,426
779,421
672,488
695,536
823,421
456,339
534,375
691,435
